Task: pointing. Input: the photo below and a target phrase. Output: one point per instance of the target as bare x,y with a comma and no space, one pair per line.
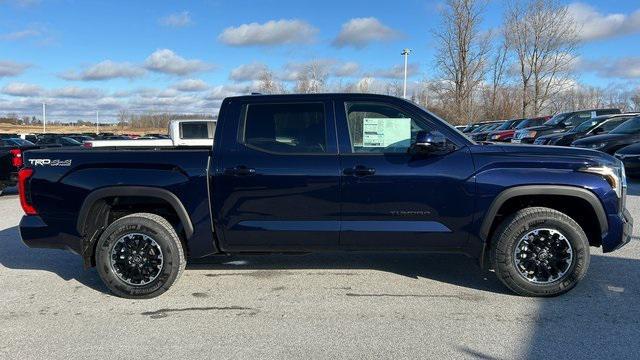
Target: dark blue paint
293,203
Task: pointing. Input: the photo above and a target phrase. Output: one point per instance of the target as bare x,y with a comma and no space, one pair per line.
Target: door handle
359,171
240,171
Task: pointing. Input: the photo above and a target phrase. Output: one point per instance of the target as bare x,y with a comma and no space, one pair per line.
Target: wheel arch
491,218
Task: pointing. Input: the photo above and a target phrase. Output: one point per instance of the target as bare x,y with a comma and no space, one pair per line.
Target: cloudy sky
185,56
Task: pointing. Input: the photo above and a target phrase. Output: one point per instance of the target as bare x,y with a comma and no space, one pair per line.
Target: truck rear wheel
540,252
140,256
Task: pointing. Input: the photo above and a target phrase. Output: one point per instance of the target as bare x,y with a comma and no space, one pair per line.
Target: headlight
495,137
597,145
616,177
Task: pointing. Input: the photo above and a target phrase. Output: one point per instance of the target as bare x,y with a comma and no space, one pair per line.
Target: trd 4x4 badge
50,162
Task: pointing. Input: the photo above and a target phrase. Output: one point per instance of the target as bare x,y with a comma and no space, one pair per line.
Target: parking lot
313,306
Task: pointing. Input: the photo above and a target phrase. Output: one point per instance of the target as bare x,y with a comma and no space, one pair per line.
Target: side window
380,128
195,130
295,128
612,124
578,118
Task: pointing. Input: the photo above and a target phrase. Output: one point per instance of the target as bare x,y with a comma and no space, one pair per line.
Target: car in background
81,138
558,124
630,157
475,126
481,133
116,137
596,126
623,135
506,135
11,150
57,141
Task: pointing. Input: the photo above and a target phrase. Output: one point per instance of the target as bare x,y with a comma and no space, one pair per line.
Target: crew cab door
278,187
393,200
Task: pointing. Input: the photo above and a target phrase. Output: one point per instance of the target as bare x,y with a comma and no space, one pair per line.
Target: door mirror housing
597,131
429,143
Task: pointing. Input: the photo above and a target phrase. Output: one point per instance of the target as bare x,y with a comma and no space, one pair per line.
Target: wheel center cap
543,255
137,259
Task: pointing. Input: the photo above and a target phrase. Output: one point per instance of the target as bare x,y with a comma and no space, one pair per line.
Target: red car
505,132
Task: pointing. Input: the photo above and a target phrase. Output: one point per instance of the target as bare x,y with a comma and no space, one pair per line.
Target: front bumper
35,233
620,231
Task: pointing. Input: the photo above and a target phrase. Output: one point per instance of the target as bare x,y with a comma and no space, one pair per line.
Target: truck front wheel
540,252
139,256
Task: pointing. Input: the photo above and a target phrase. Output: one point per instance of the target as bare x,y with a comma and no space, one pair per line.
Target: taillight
87,145
16,158
25,196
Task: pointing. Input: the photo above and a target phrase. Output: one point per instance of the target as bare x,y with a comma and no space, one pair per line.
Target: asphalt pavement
339,306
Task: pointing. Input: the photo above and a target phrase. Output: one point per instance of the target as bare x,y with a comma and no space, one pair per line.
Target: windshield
631,126
506,125
556,119
584,127
21,142
68,141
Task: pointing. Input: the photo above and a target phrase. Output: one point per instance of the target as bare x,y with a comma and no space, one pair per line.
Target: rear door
278,190
393,200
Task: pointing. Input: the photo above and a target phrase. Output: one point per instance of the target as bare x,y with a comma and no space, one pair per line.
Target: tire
518,259
136,273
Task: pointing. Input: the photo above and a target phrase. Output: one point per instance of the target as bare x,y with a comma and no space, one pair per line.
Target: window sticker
386,132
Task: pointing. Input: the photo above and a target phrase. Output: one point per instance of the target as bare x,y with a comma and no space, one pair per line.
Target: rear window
195,130
285,128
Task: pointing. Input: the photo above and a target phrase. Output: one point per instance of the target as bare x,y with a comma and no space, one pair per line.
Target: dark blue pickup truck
327,172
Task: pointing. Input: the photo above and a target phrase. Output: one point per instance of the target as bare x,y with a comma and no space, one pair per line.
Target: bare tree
543,37
312,78
267,84
462,52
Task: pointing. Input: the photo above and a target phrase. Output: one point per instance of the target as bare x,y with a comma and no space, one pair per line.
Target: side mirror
428,143
597,131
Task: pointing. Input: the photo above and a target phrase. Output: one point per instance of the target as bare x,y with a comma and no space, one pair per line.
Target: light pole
44,118
405,53
97,123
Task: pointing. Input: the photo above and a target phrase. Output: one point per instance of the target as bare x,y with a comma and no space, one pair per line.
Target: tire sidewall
577,270
170,255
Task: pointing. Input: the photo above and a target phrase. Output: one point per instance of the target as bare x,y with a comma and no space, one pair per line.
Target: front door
390,199
282,180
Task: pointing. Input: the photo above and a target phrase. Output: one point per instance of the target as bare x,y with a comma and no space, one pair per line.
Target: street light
405,53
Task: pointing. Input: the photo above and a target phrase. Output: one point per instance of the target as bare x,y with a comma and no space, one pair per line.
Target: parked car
473,127
481,133
56,141
630,157
558,124
506,135
623,135
11,150
81,138
278,180
596,126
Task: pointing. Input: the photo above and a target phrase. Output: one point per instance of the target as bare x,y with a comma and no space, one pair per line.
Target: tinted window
285,128
631,126
585,126
607,112
380,128
613,123
194,130
68,142
578,118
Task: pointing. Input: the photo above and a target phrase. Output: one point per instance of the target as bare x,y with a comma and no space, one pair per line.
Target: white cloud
346,69
191,85
168,62
20,35
73,92
105,70
360,32
181,19
270,33
21,89
11,68
396,72
594,25
248,72
223,91
622,68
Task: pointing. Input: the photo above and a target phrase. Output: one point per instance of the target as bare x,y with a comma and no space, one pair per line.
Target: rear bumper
620,231
35,233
